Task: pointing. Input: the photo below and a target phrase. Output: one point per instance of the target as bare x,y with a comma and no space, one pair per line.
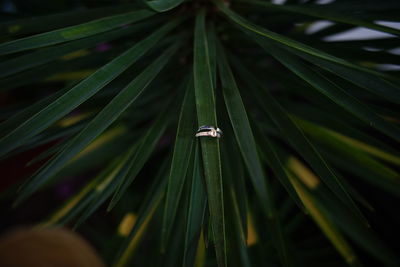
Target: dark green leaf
361,234
323,13
326,225
196,209
17,119
206,115
296,138
104,119
233,169
370,82
184,143
82,199
163,5
110,179
249,27
81,92
245,139
331,90
143,153
45,55
48,22
73,32
146,211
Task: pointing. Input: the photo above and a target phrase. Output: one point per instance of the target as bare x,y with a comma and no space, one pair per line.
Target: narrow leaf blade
73,32
206,115
81,92
101,122
183,147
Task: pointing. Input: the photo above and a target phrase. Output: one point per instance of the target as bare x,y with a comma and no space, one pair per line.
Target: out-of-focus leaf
49,22
341,216
17,119
388,183
73,32
48,71
351,148
342,127
46,55
106,187
322,13
331,90
370,82
263,33
325,223
145,214
81,199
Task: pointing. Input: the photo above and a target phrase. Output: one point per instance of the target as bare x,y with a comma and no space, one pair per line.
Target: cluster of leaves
304,120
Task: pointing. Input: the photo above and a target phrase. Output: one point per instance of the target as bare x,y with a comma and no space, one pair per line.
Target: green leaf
212,51
296,138
239,238
249,27
341,216
326,225
342,127
241,127
110,179
26,113
31,25
236,200
271,156
43,73
145,148
53,135
46,154
377,173
80,200
206,115
389,183
163,5
46,55
196,209
101,122
245,139
323,13
183,147
331,90
81,92
233,169
372,83
146,212
338,143
73,32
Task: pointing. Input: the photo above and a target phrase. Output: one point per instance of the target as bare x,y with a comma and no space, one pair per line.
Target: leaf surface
73,32
206,115
81,92
184,143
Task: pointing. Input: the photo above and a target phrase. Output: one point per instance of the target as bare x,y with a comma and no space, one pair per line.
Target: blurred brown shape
46,247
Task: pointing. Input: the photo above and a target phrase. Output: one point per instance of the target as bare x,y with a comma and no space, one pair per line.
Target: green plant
305,123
